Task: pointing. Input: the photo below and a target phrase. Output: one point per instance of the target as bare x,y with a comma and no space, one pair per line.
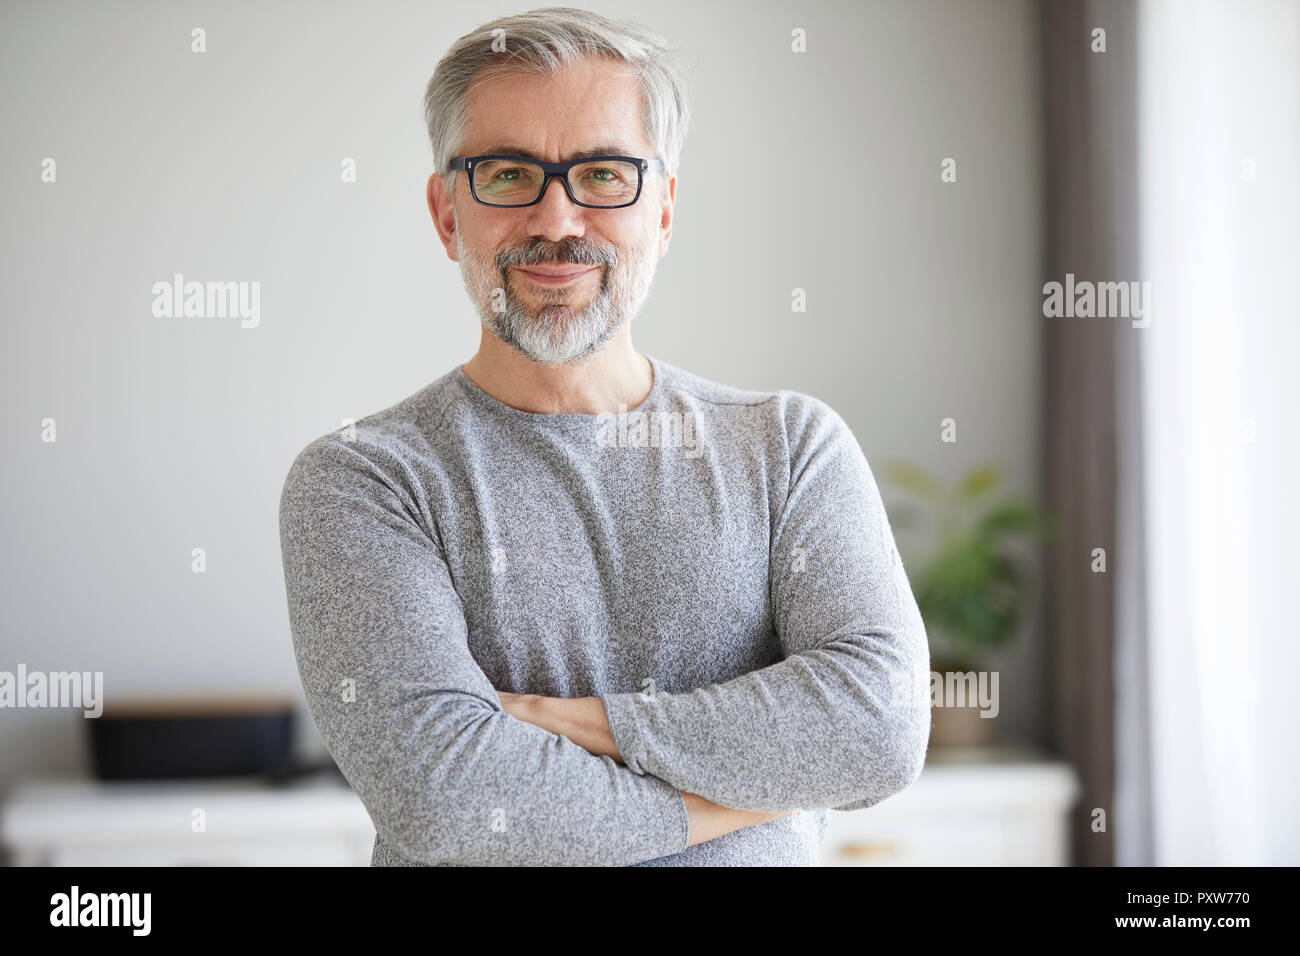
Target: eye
604,174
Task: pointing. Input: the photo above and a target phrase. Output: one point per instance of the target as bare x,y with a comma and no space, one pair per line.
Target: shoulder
382,448
798,419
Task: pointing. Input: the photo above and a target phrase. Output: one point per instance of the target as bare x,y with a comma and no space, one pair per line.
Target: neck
595,385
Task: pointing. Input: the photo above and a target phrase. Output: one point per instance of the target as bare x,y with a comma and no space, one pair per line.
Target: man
569,604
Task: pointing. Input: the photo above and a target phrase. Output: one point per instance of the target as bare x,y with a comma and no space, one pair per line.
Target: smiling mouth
554,278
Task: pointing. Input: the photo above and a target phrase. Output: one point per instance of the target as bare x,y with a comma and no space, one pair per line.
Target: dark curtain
1090,369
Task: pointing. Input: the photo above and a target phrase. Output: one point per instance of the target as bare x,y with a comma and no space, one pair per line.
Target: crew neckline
562,419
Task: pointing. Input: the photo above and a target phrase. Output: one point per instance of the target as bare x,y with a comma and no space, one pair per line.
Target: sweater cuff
625,727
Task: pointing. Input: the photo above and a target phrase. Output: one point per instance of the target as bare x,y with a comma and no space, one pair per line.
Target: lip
562,275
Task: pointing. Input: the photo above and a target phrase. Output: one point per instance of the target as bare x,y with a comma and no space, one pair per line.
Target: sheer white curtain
1219,114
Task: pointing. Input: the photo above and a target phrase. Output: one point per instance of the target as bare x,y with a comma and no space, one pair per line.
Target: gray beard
558,333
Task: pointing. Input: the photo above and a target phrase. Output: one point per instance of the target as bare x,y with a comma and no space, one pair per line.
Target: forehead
593,102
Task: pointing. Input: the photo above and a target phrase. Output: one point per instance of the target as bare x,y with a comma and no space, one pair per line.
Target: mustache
576,250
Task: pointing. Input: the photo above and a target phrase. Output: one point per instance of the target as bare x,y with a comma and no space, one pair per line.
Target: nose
556,217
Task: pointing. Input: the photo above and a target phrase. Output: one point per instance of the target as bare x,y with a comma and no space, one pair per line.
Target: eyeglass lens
511,182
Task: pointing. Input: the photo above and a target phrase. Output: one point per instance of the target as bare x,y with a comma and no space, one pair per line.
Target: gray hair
544,41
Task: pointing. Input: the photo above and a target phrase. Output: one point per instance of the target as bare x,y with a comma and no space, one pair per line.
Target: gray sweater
716,565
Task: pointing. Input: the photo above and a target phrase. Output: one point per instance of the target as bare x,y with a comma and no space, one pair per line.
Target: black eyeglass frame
558,171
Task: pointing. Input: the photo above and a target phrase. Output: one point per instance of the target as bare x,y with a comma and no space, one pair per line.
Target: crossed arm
583,721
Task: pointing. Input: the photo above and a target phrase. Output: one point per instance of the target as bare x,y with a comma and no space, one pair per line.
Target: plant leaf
980,480
1011,517
912,477
972,593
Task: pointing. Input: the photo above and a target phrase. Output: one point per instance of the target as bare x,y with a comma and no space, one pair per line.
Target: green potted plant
973,588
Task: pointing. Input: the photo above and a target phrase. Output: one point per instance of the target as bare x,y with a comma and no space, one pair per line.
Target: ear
666,202
443,210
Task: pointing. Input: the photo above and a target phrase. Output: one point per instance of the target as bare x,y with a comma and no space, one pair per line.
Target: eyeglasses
598,182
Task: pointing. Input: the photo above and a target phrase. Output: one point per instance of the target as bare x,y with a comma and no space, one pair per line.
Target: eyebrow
510,149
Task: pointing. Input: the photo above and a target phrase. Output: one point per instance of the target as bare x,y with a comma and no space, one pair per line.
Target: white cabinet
243,823
977,807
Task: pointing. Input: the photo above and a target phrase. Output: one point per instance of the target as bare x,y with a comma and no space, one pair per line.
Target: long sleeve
410,718
843,721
